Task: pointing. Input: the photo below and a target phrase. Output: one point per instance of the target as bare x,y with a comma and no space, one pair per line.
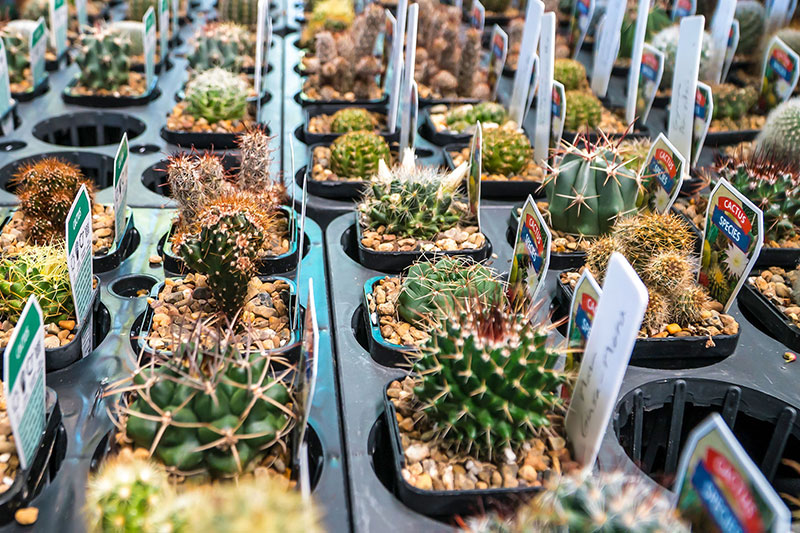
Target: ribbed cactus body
357,154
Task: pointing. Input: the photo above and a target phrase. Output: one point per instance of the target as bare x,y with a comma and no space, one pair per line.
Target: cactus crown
733,102
780,135
352,119
584,110
222,44
570,72
46,189
486,381
104,59
216,95
505,151
358,154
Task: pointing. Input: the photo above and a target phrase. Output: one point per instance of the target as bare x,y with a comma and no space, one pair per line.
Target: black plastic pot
45,465
339,190
427,102
301,98
39,90
110,101
97,167
200,141
327,138
382,351
768,316
441,138
139,67
88,128
668,352
505,190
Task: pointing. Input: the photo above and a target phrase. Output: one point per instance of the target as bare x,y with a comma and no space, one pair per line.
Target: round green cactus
570,73
216,95
239,11
733,102
751,15
104,59
352,119
356,155
505,151
780,135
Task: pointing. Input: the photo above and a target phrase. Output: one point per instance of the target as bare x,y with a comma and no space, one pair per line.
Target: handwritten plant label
582,13
408,126
730,49
720,35
163,29
24,382
650,74
662,175
703,113
632,93
58,25
523,77
684,84
497,58
544,94
5,89
531,253
734,234
683,8
82,14
474,174
779,73
608,350
720,488
309,364
532,88
79,253
558,113
38,47
607,47
149,42
478,18
582,310
121,188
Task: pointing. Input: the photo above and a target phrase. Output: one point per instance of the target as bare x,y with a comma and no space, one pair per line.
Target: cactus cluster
486,381
328,15
751,15
352,119
732,102
46,189
462,117
240,11
104,59
571,73
357,155
16,40
430,290
217,95
780,135
505,151
667,41
227,45
591,188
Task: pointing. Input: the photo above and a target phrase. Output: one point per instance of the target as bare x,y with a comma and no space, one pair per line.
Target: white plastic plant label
582,13
720,488
683,8
121,188
79,253
558,113
82,14
777,11
38,47
532,88
478,15
262,14
651,71
790,12
607,47
730,50
474,174
300,246
608,350
541,138
662,175
5,88
531,254
24,382
632,94
684,84
396,64
58,25
720,35
163,29
309,364
732,240
389,30
527,52
149,42
498,50
703,113
582,310
779,71
406,133
87,341
408,125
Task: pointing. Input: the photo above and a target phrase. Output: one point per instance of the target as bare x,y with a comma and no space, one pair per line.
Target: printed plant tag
662,175
582,13
684,84
703,113
478,17
474,175
779,72
730,50
650,74
631,95
777,11
523,79
558,113
38,47
734,234
720,488
607,47
149,40
5,88
163,30
720,35
497,58
582,311
541,139
683,8
407,129
24,382
531,254
58,25
79,253
121,188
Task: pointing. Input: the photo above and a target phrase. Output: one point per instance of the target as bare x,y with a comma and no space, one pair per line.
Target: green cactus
240,11
33,9
486,380
751,16
570,73
780,135
505,151
667,41
657,20
40,271
591,189
352,119
688,304
639,238
356,155
222,44
217,94
584,110
666,271
460,118
328,15
733,102
16,40
104,59
137,9
431,290
254,170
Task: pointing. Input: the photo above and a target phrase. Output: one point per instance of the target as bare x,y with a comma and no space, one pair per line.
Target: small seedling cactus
103,59
505,151
254,170
733,102
358,154
571,73
751,15
224,45
781,133
584,110
352,119
216,95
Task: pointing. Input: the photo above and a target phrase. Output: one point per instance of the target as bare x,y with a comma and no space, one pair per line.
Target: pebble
155,259
26,516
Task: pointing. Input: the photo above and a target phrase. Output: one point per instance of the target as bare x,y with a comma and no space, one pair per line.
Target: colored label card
730,49
582,311
497,58
474,174
544,93
149,41
632,94
683,8
523,77
478,16
703,113
531,254
650,73
662,175
79,253
684,84
558,113
81,14
121,188
582,13
779,73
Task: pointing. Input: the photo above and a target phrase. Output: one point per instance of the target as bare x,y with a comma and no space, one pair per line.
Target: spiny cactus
470,59
658,310
667,41
505,151
733,102
584,110
254,170
591,188
328,15
414,201
598,256
751,16
193,181
357,154
635,151
352,119
432,289
462,117
222,44
688,304
790,37
40,271
213,407
486,381
137,9
16,41
46,189
668,270
780,135
240,11
570,73
216,95
132,31
103,59
645,235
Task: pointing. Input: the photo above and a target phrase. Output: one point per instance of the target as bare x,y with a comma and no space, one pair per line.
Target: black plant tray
440,503
381,350
110,101
44,466
441,138
327,138
287,262
727,138
668,352
777,325
39,90
495,189
427,102
305,101
200,141
394,262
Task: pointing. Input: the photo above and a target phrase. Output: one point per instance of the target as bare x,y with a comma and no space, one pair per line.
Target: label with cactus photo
650,74
734,234
58,23
79,252
37,47
531,253
779,73
662,174
558,107
497,58
703,112
582,310
478,16
120,188
163,28
582,14
730,49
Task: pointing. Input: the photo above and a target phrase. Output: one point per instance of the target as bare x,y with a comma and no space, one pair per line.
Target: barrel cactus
239,11
780,135
733,102
432,289
505,151
104,59
751,15
570,72
352,119
667,41
224,45
216,95
356,155
591,189
584,110
486,381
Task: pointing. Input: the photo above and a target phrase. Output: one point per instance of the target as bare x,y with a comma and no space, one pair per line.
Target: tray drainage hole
11,146
141,149
88,128
136,286
97,167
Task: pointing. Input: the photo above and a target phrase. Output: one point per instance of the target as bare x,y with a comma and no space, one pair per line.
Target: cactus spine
781,133
104,59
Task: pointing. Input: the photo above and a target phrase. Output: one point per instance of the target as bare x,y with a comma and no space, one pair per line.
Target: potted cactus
16,40
667,42
334,16
325,124
227,45
752,17
779,137
734,114
344,168
456,123
30,11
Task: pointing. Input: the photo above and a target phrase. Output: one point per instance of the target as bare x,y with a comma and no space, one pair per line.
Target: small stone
673,328
26,516
155,259
424,482
416,453
789,357
68,325
528,473
52,341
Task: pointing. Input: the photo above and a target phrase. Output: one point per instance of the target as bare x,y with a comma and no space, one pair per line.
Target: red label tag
662,156
735,210
533,227
737,487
